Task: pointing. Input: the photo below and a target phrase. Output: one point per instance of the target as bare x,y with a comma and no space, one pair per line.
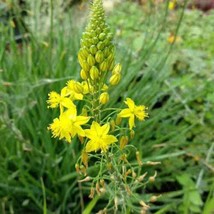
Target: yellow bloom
173,39
99,138
172,5
68,125
133,111
61,100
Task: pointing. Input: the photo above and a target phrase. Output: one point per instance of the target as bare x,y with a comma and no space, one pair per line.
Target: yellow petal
91,146
80,120
131,122
78,130
130,103
66,102
105,129
125,113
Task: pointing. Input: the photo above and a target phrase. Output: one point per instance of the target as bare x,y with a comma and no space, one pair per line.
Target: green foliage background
175,82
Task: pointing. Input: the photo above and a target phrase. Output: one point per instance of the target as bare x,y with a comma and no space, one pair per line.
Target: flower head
68,125
133,111
99,138
61,100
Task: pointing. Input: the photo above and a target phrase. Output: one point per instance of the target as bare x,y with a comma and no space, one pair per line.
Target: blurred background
167,52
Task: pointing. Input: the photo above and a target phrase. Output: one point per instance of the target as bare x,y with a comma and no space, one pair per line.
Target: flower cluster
99,73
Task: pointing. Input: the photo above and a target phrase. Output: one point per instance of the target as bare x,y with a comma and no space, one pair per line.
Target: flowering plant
100,129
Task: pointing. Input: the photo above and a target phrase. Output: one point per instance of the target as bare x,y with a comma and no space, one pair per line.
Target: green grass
38,172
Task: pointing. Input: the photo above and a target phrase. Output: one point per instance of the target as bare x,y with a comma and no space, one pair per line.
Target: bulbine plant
105,133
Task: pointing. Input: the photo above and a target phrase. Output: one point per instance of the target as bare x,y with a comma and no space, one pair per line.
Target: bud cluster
96,55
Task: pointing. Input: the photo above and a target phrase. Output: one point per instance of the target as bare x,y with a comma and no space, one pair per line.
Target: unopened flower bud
115,79
94,73
138,158
118,120
100,46
123,141
102,36
77,167
132,133
84,65
83,75
86,179
104,66
141,178
85,158
90,60
93,49
99,56
143,204
104,98
112,124
92,191
117,69
102,183
152,178
154,198
78,87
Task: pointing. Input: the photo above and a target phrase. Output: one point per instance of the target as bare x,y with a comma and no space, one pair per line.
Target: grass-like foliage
175,82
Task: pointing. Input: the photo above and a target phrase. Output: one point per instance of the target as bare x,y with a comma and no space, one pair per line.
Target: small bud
152,178
83,75
102,36
95,40
116,202
104,98
98,188
90,60
93,49
115,79
86,179
141,178
117,69
143,204
104,66
151,163
102,183
118,120
138,158
84,65
94,73
78,87
154,198
112,124
133,174
92,191
100,46
85,158
132,133
123,141
99,56
83,53
77,167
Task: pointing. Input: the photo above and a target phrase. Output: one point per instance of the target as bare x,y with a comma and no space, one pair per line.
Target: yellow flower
133,111
99,138
61,100
173,39
172,5
68,125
